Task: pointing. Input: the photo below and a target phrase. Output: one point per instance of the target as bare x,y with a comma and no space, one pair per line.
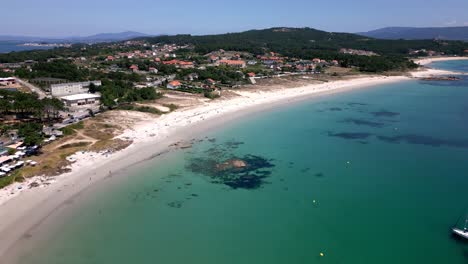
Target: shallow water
454,65
370,176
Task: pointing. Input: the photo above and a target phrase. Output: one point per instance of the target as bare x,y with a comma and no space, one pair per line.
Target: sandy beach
23,209
426,61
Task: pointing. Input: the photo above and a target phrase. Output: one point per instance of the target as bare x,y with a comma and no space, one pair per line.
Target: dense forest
61,69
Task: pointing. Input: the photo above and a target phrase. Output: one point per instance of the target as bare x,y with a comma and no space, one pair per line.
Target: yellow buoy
321,254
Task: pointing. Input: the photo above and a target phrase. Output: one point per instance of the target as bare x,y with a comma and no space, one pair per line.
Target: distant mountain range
104,37
411,33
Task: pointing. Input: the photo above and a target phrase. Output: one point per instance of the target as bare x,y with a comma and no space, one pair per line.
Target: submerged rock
175,204
232,164
248,172
441,78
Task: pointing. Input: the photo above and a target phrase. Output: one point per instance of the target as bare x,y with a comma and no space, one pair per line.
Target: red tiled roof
175,83
171,62
232,62
265,58
185,63
174,62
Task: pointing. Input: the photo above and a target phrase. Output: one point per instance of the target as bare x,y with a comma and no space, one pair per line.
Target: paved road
33,88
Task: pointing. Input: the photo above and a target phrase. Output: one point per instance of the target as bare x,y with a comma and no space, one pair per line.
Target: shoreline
23,213
426,61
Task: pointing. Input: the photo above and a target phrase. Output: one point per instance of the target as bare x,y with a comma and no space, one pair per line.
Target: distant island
98,38
51,45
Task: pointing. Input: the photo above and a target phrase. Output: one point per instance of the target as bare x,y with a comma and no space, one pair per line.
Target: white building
7,81
65,89
82,101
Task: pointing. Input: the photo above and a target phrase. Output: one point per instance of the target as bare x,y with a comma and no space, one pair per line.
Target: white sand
22,210
428,72
426,61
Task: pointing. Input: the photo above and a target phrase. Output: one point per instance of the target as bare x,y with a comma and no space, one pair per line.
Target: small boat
461,232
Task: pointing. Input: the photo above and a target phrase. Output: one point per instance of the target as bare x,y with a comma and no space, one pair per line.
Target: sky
60,18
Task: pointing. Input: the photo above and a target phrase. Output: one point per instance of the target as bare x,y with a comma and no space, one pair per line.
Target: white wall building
65,89
82,101
7,81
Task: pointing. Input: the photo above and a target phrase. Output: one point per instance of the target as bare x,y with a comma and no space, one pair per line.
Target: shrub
211,95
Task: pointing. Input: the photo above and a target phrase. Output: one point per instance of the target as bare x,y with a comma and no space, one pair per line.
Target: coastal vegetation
96,134
114,93
144,109
33,111
26,105
61,69
211,95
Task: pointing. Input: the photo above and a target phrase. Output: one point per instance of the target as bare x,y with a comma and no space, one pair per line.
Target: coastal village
151,72
160,67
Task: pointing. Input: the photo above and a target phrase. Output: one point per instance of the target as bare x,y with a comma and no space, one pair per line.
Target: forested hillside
300,41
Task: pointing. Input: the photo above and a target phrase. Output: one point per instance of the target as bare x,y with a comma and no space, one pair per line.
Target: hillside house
185,64
213,59
170,62
180,64
174,85
210,82
7,81
233,63
134,68
191,77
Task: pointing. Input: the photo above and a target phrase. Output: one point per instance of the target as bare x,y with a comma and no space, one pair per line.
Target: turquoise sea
455,65
376,175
